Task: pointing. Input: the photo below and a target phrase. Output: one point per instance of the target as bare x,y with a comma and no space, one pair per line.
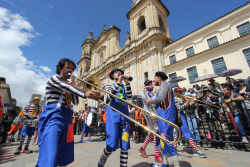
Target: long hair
62,63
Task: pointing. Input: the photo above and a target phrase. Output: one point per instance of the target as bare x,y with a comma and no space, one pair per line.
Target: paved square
87,154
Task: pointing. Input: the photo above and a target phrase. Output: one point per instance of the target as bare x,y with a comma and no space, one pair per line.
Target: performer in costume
150,136
55,128
165,108
117,126
30,112
180,105
86,129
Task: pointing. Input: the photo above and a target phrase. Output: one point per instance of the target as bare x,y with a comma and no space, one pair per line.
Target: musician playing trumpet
117,126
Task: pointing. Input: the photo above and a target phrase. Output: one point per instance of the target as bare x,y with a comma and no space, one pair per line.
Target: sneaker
179,151
18,150
244,140
220,139
90,140
143,153
154,165
80,140
27,151
158,159
214,138
198,153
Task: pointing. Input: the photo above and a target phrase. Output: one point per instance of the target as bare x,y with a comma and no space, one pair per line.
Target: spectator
197,90
232,81
214,84
243,92
233,106
185,92
227,79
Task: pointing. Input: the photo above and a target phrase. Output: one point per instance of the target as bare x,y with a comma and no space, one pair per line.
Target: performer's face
36,102
117,74
157,81
68,68
151,88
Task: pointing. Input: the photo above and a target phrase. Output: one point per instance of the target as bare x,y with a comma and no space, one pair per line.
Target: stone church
140,57
219,45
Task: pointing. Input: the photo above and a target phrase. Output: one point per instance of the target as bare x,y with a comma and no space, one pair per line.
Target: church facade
149,48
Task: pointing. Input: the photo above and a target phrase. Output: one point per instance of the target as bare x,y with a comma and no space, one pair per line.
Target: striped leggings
27,142
149,139
190,140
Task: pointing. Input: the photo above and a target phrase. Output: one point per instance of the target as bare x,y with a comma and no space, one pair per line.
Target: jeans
193,127
237,119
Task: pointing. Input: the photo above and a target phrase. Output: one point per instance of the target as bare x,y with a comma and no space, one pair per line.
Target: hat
36,98
147,82
162,75
112,72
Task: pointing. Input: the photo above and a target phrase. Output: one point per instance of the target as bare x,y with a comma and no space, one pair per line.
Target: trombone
94,81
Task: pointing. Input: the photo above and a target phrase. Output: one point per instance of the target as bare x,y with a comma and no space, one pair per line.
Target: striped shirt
114,90
31,109
164,98
56,86
179,106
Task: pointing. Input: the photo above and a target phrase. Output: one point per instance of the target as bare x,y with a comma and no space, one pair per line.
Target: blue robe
28,130
184,128
56,137
117,126
166,129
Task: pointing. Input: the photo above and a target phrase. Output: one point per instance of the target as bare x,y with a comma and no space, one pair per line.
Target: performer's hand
72,82
148,101
120,78
93,94
126,80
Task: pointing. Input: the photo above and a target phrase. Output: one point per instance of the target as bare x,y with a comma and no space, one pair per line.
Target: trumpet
94,81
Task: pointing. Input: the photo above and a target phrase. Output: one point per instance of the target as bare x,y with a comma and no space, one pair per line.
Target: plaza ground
87,154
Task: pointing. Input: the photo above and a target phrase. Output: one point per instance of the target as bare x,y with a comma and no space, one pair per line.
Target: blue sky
58,28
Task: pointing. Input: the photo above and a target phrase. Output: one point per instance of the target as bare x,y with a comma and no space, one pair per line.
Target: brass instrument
151,121
195,99
95,82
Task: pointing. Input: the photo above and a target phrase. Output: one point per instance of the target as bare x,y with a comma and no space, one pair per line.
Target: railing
223,124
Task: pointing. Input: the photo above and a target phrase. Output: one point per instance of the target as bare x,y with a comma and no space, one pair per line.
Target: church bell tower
147,14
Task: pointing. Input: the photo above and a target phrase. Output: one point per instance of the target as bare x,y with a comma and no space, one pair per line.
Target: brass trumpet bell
94,80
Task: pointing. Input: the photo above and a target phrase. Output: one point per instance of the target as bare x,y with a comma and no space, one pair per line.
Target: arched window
101,57
161,23
80,72
141,24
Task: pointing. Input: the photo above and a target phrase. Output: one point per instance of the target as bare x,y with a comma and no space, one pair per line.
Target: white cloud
21,74
9,2
45,69
49,7
59,38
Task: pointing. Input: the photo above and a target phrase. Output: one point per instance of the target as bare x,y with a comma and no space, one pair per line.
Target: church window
80,72
213,42
161,23
192,74
146,75
219,66
101,58
172,59
190,52
244,28
175,84
247,55
141,24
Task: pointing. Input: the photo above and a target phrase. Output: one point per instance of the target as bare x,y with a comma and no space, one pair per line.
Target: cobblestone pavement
87,154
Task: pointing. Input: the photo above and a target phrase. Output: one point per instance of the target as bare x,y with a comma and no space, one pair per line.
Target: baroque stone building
219,45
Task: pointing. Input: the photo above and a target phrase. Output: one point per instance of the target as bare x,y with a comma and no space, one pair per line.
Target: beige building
219,45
